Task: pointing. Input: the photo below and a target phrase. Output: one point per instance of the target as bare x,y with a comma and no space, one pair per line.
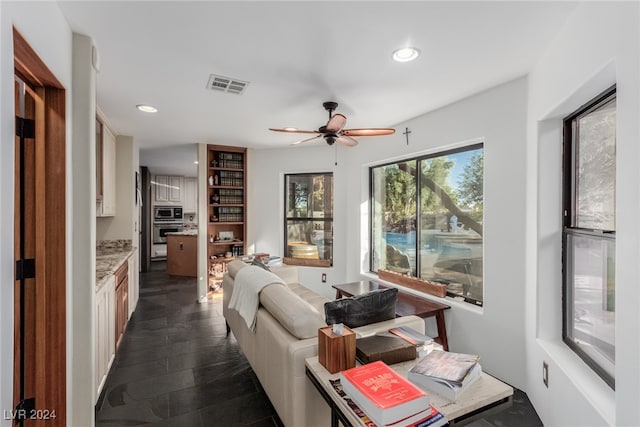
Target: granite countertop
184,233
110,254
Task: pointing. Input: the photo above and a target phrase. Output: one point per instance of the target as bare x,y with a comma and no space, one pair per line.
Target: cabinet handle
181,246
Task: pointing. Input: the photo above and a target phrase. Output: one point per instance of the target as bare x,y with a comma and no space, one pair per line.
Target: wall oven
160,231
167,213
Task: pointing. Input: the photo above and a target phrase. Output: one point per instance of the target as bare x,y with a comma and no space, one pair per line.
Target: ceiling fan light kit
334,131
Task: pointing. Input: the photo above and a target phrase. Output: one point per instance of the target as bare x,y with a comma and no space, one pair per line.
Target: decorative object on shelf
423,285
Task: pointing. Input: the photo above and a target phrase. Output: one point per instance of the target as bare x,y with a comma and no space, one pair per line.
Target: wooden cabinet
226,191
182,258
105,170
190,195
121,301
134,284
104,332
168,188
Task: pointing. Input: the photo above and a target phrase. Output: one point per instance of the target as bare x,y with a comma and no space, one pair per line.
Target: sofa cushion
360,310
296,315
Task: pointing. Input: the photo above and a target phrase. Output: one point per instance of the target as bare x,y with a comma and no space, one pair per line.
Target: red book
384,395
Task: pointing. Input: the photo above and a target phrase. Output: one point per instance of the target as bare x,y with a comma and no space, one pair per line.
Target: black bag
364,309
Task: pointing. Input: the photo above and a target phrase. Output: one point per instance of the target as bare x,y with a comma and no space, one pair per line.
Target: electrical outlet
324,277
545,373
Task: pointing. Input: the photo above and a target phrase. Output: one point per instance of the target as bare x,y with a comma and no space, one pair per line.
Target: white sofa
285,335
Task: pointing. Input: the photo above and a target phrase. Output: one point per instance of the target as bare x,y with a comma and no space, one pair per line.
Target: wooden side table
407,304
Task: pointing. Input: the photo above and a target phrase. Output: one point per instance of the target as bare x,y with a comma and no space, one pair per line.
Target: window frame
570,145
322,262
418,159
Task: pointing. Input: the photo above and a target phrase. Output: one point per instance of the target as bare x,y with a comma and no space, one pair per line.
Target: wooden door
39,242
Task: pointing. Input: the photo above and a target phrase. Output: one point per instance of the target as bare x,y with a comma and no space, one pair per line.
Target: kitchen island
182,250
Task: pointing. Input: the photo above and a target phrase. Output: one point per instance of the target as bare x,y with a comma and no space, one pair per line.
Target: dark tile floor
176,367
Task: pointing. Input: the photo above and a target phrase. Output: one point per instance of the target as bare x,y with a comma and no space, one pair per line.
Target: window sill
304,262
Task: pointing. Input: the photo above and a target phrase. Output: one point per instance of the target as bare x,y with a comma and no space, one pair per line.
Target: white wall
266,192
598,46
46,30
498,117
124,224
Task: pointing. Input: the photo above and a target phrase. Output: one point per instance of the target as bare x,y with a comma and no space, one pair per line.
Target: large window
309,219
426,219
589,233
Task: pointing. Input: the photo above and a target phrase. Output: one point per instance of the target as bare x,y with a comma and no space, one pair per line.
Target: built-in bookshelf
227,208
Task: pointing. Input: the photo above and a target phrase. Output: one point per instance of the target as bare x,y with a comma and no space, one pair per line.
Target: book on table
411,335
388,348
445,373
386,397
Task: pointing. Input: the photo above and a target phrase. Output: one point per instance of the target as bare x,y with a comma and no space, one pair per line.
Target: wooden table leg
442,330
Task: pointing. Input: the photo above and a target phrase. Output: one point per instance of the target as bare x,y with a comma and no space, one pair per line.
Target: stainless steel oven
167,213
160,231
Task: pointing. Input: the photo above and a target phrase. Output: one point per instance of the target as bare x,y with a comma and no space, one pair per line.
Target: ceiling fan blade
368,132
336,123
347,140
306,140
294,130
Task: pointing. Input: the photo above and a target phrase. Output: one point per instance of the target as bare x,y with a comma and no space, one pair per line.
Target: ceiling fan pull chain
336,164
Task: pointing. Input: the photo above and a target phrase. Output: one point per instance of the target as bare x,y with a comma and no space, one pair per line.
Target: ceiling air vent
226,84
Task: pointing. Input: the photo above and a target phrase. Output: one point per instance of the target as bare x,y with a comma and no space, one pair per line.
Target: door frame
50,235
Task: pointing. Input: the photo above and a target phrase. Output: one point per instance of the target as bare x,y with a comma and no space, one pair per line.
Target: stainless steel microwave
167,213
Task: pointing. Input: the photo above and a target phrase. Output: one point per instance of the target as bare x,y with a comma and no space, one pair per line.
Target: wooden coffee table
407,305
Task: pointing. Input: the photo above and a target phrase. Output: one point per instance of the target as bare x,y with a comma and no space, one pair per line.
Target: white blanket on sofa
247,285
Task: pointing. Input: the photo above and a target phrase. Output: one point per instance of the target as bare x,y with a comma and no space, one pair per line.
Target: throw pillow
375,306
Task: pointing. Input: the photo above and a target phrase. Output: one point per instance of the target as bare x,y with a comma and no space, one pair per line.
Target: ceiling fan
334,130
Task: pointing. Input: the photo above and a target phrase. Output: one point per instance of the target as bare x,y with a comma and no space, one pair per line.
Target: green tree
436,171
470,187
400,192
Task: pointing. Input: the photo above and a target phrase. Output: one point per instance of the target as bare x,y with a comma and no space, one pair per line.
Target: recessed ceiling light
195,162
146,108
405,54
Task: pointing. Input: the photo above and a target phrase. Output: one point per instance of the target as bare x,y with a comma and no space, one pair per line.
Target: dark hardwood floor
176,367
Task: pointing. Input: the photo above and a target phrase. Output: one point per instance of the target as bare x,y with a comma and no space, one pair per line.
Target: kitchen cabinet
182,259
134,283
168,188
190,195
105,170
121,301
104,332
226,190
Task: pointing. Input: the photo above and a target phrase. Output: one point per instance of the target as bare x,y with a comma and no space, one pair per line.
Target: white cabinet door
190,195
169,188
104,332
162,188
108,173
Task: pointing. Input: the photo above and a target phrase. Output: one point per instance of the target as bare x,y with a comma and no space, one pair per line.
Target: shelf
217,168
227,187
225,223
216,205
225,243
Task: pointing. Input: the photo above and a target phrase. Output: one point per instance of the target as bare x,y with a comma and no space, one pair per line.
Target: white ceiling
295,55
